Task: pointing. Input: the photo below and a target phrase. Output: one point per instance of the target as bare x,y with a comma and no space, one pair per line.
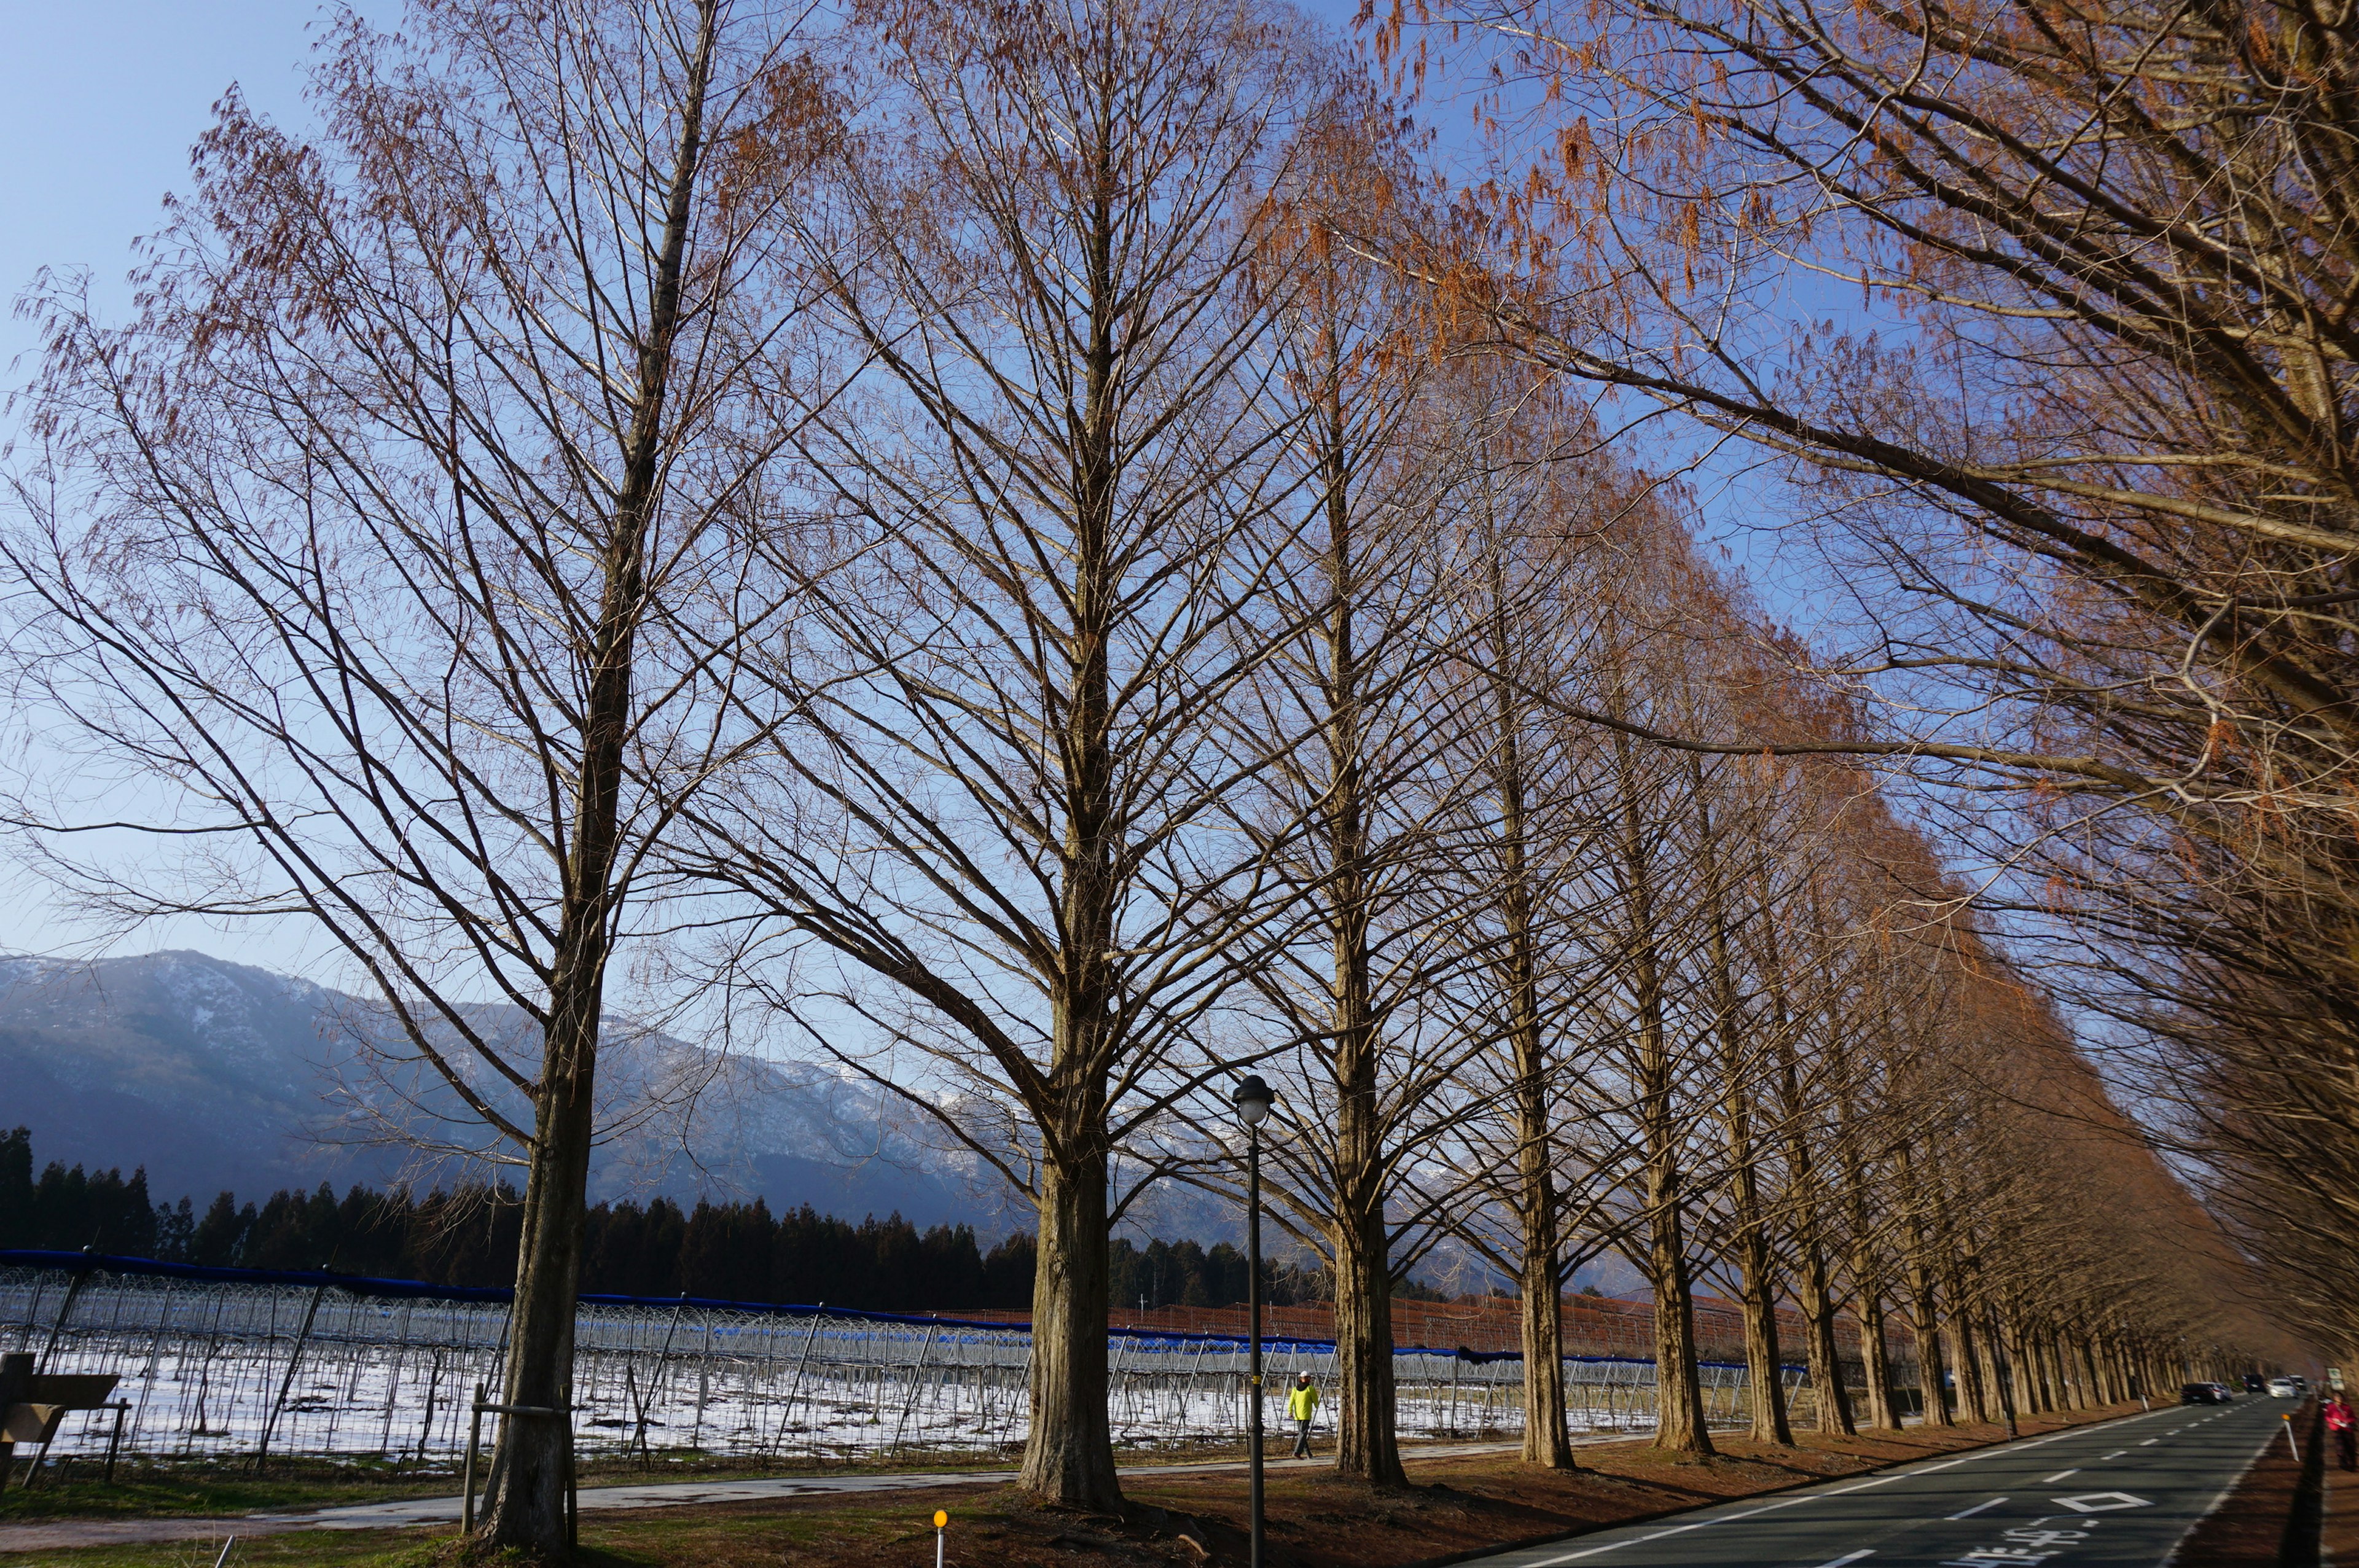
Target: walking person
2344,1424
1302,1405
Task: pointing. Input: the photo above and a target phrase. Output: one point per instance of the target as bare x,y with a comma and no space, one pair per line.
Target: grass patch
1316,1520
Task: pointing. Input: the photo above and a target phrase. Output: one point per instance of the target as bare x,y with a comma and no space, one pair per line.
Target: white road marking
1975,1509
2051,1480
2116,1454
1558,1561
2149,1443
1847,1557
2102,1502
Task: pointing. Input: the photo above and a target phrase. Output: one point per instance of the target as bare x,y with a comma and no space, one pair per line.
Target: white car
2283,1389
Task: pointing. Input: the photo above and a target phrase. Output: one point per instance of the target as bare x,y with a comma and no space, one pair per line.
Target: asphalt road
2122,1493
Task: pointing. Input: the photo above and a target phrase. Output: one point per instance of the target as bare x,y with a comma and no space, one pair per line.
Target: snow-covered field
218,1369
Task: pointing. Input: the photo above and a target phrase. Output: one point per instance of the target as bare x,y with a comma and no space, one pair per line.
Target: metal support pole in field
467,1472
65,1310
294,1359
917,1383
115,1440
786,1413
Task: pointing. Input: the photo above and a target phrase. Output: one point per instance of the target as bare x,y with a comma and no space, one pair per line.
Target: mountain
215,1075
219,1076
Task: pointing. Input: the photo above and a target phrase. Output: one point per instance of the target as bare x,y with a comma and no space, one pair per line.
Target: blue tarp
363,1285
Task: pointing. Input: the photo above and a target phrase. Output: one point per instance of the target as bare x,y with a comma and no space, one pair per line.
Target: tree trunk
524,1500
1987,1349
1880,1410
1931,1369
1366,1445
1867,1279
525,1496
1679,1392
1068,1457
1965,1358
1757,1290
1546,1439
1923,1321
1764,1368
1825,1352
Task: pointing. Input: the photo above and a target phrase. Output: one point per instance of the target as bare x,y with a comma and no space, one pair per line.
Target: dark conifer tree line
733,1251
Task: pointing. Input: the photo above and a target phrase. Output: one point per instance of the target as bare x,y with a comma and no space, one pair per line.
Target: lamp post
1252,1098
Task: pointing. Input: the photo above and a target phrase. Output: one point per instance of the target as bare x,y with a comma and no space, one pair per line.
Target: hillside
213,1074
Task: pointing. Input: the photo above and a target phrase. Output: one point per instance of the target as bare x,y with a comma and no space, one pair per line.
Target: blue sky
105,100
102,103
97,121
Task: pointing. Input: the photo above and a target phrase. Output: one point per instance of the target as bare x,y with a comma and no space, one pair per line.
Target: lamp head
1253,1098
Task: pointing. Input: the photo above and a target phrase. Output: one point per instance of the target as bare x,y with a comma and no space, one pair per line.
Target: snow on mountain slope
216,1074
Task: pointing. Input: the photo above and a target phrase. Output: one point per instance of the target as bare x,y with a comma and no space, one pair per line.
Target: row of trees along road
2040,321
957,540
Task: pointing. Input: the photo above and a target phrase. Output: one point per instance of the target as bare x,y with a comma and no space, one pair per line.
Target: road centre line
1847,1557
2149,1443
1969,1513
1815,1496
2051,1480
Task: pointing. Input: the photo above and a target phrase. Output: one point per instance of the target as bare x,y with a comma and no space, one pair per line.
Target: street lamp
1252,1098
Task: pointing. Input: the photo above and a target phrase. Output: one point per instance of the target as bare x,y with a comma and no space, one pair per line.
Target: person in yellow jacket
1302,1405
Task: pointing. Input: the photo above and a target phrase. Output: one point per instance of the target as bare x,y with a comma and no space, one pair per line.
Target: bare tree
396,550
1349,724
2073,430
997,810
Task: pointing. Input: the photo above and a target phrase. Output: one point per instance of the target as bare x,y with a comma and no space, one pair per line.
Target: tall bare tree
394,551
996,812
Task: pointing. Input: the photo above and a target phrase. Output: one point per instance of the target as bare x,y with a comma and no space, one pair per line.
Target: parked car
2283,1389
2204,1394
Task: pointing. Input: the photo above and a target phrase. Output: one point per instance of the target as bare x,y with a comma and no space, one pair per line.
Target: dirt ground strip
2247,1529
1454,1508
2339,1532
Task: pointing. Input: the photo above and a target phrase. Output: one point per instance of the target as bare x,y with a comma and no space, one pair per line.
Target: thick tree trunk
1548,1437
1832,1402
1765,1369
1068,1457
1366,1444
1679,1392
1924,1321
1878,1364
1757,1289
524,1500
1987,1361
1825,1353
1931,1365
2098,1387
1965,1359
1924,1324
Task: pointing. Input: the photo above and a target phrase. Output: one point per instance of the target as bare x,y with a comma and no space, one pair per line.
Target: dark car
2254,1384
2203,1394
